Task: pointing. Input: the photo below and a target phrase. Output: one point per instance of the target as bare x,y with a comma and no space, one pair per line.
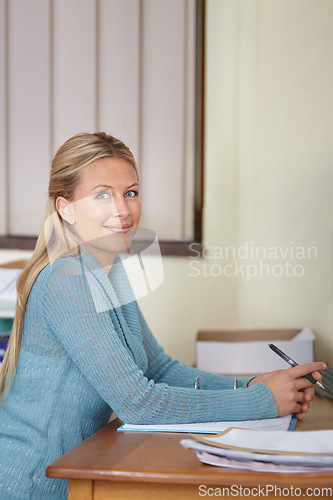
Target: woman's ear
64,209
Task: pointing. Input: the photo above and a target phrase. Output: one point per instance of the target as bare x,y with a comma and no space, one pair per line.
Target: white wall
268,179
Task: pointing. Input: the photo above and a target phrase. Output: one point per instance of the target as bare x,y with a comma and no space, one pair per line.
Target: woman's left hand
309,392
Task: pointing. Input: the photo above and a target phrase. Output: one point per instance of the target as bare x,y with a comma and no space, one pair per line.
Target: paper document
280,423
307,449
254,465
8,278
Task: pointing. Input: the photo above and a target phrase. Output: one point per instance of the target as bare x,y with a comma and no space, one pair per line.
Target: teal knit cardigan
86,351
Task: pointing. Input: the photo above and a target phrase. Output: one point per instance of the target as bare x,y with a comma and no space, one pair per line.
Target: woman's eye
131,194
102,196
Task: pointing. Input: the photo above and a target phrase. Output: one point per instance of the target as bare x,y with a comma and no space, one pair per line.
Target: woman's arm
95,343
291,391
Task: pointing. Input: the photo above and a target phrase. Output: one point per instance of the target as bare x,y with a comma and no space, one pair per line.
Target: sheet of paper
280,423
279,442
254,465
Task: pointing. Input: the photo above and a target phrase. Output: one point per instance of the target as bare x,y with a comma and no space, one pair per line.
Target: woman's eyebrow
103,186
107,186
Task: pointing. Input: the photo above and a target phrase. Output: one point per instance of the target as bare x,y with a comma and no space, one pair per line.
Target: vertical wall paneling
28,110
123,66
119,71
163,115
3,107
74,68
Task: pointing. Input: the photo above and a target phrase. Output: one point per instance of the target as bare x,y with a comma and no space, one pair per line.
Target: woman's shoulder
63,268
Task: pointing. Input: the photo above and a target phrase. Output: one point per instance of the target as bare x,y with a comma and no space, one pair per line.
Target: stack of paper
8,279
277,451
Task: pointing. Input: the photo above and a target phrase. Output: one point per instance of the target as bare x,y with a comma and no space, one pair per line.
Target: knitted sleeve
104,358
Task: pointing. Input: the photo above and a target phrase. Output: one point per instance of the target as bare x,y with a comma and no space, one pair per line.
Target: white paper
8,278
314,442
278,447
254,465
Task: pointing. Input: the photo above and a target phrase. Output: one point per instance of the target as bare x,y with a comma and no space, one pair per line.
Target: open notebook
280,423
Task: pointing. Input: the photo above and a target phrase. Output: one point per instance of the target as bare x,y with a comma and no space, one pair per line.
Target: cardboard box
246,352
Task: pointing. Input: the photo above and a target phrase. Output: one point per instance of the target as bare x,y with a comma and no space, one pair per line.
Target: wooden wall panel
189,96
29,113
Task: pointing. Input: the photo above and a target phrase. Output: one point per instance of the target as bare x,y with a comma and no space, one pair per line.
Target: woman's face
106,208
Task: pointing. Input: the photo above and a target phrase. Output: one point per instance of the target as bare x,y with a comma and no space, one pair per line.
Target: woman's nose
120,207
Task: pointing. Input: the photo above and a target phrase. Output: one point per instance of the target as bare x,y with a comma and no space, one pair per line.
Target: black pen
291,362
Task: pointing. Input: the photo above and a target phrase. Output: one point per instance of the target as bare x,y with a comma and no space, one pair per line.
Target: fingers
305,407
306,368
309,394
300,408
317,376
302,383
297,409
305,396
291,394
291,391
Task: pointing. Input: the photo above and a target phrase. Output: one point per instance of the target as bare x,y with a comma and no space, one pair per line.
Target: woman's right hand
292,392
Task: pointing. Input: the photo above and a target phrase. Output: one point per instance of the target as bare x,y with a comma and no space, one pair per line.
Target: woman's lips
119,229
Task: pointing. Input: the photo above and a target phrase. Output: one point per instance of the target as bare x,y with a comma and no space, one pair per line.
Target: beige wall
268,179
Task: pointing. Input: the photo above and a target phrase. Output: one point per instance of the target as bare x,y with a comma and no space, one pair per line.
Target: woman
80,347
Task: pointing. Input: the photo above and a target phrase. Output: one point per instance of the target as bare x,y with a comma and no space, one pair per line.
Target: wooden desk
151,466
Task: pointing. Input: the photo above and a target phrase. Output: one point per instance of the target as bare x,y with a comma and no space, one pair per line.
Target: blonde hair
66,174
